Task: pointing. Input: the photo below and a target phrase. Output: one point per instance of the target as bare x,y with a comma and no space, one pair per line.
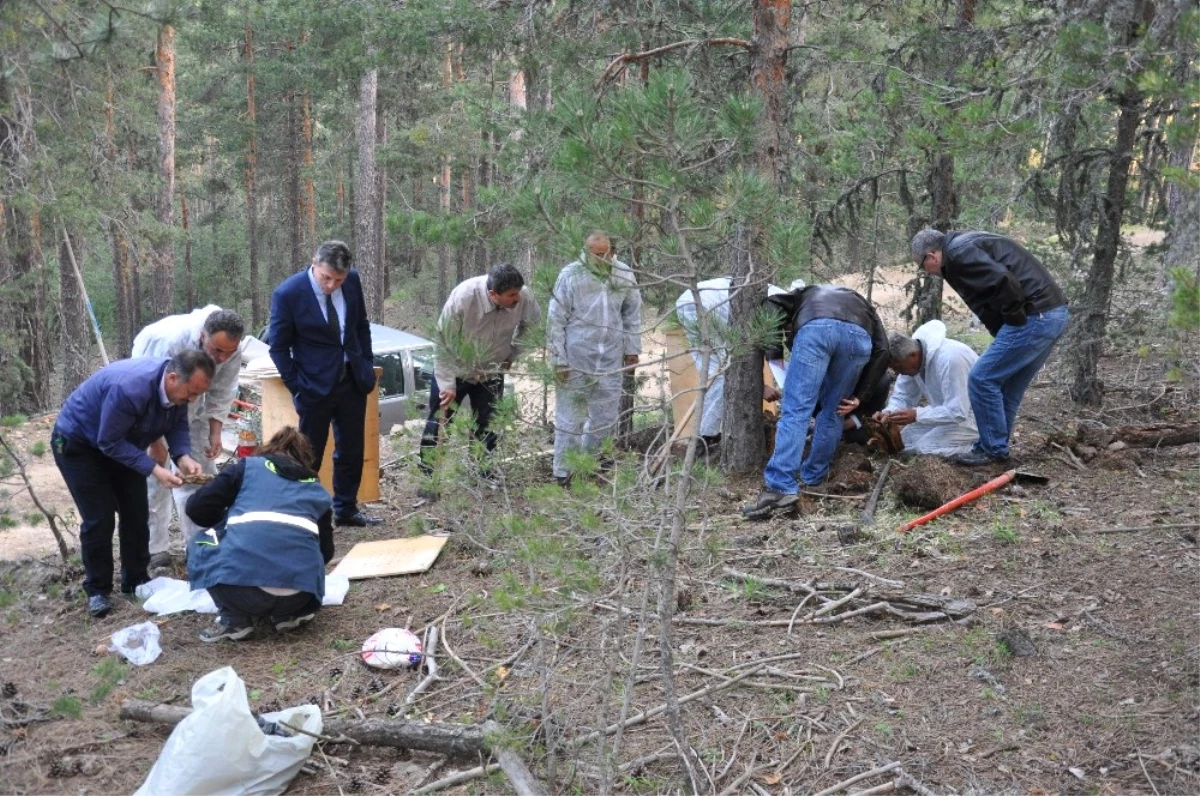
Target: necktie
331,318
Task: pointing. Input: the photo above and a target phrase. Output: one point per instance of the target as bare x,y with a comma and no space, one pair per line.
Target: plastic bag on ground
170,596
219,748
336,587
138,643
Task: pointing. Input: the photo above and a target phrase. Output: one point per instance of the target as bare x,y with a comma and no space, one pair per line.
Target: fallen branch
858,778
452,740
514,767
50,516
868,512
431,667
838,740
1140,528
457,779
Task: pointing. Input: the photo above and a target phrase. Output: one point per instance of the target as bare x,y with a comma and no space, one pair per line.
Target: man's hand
771,393
158,452
899,417
561,374
188,466
847,405
214,442
631,360
166,477
445,398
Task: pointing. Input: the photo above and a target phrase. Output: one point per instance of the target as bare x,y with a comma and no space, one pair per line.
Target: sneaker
159,560
768,503
99,605
219,631
293,622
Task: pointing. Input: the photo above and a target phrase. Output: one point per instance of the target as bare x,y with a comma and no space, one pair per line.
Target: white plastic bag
138,643
170,596
336,587
220,750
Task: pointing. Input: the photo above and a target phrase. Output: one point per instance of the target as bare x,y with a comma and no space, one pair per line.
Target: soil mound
928,482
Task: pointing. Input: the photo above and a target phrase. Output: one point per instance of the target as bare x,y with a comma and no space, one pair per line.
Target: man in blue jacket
99,443
320,341
1020,304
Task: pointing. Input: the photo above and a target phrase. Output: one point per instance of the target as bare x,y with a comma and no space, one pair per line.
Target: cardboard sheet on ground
391,557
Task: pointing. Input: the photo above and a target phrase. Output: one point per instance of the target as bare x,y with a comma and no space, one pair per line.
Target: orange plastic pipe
978,492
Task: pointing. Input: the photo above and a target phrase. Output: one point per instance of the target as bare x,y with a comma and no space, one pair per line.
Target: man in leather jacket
1020,304
839,350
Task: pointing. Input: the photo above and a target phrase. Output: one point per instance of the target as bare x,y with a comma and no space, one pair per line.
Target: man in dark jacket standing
839,350
320,341
99,443
1020,304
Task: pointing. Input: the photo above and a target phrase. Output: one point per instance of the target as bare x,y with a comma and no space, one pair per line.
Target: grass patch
109,673
38,448
66,707
12,421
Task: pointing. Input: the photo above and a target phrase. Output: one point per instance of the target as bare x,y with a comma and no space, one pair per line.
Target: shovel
991,486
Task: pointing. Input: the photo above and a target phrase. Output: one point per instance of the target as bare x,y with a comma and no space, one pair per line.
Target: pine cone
57,769
336,671
10,690
382,776
355,785
376,685
393,711
357,692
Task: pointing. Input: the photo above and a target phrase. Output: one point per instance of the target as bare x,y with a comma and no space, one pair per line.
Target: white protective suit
166,338
714,297
593,323
946,425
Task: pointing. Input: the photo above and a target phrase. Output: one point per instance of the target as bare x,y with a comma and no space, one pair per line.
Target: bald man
594,332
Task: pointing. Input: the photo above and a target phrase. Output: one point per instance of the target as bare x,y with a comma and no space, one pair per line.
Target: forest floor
1074,667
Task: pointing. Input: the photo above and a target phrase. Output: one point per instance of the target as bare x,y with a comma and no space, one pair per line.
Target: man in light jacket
220,334
594,333
479,333
932,369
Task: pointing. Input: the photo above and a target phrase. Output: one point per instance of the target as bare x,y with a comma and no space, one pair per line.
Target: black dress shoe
99,605
357,520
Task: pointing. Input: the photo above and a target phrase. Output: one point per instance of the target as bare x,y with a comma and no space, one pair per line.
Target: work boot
977,458
768,503
99,605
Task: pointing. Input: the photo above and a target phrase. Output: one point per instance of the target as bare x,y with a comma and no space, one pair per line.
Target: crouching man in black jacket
1020,304
839,350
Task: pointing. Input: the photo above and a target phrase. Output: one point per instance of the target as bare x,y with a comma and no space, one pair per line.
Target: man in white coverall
933,369
715,299
220,334
594,330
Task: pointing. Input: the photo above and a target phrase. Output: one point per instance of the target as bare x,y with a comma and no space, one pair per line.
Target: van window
422,370
391,381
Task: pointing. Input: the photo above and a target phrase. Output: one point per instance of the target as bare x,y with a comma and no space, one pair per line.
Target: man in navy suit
321,343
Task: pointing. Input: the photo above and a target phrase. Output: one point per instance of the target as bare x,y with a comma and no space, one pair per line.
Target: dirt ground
1073,666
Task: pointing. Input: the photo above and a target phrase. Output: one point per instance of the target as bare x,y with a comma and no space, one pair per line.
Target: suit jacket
306,351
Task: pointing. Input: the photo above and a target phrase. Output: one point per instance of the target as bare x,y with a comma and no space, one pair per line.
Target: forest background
182,153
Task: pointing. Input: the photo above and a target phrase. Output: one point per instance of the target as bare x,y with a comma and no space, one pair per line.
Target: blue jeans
827,358
1002,375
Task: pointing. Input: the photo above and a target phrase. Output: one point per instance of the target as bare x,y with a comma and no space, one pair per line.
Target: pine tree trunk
163,251
295,211
258,311
742,425
309,193
381,277
189,282
1090,314
124,298
32,327
73,333
366,209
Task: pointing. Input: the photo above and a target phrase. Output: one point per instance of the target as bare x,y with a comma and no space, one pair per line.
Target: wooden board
684,380
391,557
278,411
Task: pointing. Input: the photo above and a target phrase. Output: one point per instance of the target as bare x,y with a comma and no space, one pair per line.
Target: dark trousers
103,490
346,408
239,605
483,395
